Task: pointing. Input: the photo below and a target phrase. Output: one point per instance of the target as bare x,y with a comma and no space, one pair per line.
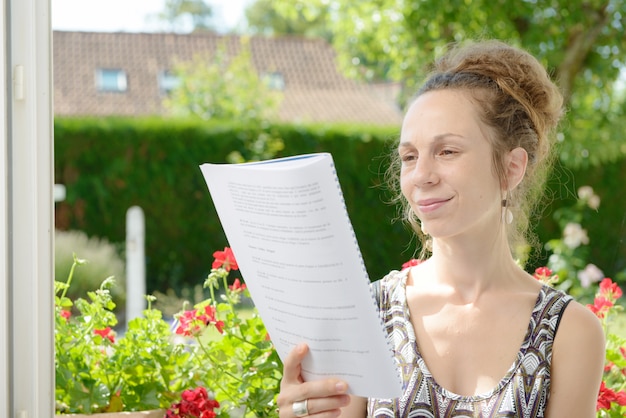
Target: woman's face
447,175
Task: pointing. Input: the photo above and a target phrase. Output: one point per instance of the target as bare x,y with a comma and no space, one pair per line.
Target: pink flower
590,274
65,314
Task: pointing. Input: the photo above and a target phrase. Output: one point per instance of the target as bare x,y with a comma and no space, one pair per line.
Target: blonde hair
519,102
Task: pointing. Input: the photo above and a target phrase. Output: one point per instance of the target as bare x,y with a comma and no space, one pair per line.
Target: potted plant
212,361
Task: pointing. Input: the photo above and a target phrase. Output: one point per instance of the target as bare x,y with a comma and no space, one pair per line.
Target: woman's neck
474,266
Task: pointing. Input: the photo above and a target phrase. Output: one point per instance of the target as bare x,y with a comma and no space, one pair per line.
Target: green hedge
109,165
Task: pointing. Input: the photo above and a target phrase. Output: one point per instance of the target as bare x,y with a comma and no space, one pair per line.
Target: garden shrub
111,164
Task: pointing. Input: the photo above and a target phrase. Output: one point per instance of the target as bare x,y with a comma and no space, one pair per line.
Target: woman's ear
516,162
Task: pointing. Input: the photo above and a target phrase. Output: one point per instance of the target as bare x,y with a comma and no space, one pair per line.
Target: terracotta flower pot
156,413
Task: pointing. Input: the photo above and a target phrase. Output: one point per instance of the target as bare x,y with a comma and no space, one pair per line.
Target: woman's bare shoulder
577,356
579,324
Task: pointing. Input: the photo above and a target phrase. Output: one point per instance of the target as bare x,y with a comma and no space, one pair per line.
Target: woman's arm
577,364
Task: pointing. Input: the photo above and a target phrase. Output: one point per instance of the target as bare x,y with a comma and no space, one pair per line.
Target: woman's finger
327,404
292,365
322,396
317,407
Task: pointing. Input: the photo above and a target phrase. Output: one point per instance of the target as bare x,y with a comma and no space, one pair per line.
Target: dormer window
167,81
274,80
111,80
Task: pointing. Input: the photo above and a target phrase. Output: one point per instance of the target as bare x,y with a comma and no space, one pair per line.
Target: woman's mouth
431,205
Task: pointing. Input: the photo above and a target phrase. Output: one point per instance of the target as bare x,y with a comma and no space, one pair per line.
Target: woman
473,333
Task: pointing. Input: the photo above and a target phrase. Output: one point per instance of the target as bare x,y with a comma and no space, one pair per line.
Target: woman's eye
408,157
447,152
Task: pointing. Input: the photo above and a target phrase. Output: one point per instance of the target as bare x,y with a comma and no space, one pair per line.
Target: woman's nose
423,172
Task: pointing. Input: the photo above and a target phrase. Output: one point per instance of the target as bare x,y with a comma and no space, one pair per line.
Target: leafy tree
221,86
263,18
227,87
582,43
182,14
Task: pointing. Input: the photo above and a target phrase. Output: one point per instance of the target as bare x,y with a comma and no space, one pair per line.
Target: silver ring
300,408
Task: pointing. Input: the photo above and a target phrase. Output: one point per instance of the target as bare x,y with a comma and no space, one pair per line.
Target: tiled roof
314,88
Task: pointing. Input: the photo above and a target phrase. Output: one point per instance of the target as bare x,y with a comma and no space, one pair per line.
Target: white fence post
135,263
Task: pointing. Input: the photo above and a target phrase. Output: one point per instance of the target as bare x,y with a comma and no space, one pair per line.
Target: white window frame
4,225
26,211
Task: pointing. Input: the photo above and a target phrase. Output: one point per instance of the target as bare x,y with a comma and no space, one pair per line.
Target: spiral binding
375,287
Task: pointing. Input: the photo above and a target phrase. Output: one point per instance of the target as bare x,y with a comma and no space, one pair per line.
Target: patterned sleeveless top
523,392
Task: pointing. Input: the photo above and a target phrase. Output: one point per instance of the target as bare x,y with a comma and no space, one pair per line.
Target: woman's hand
321,399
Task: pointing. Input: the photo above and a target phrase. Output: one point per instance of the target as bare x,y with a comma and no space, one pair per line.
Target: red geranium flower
620,398
195,403
545,275
605,397
541,272
237,286
600,306
608,395
225,259
188,324
412,262
65,314
194,321
610,290
208,317
105,333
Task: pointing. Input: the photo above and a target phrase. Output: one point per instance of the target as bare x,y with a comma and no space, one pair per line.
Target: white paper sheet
289,230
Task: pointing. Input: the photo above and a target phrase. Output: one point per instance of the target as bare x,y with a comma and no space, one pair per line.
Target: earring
507,215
